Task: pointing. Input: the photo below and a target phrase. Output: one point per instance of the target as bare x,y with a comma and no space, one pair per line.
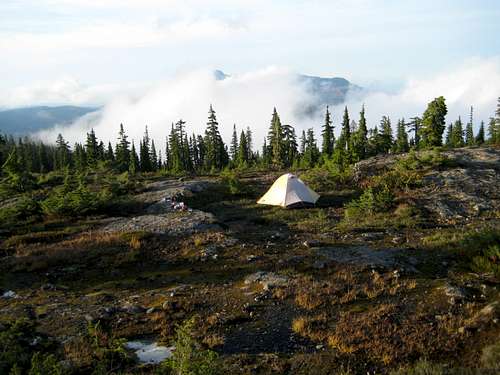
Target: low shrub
369,203
327,178
24,209
189,358
231,182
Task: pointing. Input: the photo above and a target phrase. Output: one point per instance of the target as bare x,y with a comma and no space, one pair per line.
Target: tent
289,191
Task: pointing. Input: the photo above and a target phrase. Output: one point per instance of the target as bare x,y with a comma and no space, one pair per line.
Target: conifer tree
303,143
122,151
360,138
433,123
153,156
62,155
328,136
145,153
233,150
480,135
249,140
401,145
216,155
134,164
311,153
91,149
449,136
469,132
414,126
276,141
386,138
242,156
110,155
290,145
457,139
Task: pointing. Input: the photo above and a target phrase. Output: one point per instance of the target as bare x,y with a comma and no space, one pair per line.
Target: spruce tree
469,130
91,149
433,123
276,141
242,156
62,154
249,140
233,150
153,156
457,139
328,136
216,155
360,138
414,126
122,151
290,145
145,153
401,145
449,136
133,164
110,155
386,138
480,138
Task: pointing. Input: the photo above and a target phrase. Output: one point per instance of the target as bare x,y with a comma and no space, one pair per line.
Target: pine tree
110,155
401,145
62,155
91,149
122,151
276,141
457,139
290,145
328,136
134,164
233,150
153,157
311,153
449,136
242,156
386,138
480,134
360,138
433,123
414,126
145,153
216,155
249,140
469,130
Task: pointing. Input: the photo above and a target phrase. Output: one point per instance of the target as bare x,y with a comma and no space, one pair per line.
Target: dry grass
313,327
213,340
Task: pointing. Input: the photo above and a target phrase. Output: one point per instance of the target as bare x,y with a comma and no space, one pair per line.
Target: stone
133,309
311,243
268,280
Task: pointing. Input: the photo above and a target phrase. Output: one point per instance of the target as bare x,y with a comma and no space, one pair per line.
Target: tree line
282,148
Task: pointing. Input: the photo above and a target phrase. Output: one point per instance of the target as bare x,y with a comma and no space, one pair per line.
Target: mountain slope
22,121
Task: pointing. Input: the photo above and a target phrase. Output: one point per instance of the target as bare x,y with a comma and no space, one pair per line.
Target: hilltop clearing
397,266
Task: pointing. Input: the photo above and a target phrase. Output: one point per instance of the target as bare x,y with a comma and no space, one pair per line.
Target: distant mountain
23,121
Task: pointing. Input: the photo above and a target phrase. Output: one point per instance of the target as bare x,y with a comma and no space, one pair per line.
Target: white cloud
475,83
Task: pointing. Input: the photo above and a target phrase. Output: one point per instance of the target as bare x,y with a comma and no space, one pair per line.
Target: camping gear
289,191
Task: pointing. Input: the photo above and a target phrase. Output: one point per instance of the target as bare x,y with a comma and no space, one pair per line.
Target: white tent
289,190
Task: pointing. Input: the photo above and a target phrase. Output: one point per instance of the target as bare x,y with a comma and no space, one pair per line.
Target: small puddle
149,352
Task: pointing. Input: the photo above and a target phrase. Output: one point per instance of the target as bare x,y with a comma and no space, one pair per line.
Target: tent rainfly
289,191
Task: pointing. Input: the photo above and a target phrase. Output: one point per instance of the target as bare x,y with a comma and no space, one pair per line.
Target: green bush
488,261
25,209
188,357
231,182
369,203
19,343
422,367
328,177
45,365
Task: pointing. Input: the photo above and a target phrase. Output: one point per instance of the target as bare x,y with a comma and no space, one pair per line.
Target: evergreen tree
290,145
469,132
480,134
414,126
133,164
233,150
153,156
433,123
145,153
216,155
249,140
311,153
242,157
386,138
360,138
493,131
401,145
328,136
449,136
62,154
91,149
110,155
457,139
276,141
122,151
303,143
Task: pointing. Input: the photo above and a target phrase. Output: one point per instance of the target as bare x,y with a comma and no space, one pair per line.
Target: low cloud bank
248,100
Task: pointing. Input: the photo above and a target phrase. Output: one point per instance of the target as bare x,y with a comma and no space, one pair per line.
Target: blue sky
382,42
